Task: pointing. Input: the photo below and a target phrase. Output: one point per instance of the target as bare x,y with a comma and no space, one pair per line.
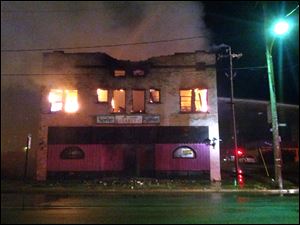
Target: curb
163,191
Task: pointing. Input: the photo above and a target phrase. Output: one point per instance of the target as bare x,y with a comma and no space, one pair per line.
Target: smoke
62,24
48,25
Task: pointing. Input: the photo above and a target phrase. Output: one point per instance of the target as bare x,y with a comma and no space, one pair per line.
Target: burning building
105,116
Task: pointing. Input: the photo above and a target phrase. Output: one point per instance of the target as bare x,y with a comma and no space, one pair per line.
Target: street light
280,28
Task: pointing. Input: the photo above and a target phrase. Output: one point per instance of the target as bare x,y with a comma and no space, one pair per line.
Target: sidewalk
144,185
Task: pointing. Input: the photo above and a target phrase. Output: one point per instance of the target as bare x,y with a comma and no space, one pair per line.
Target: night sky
241,25
53,25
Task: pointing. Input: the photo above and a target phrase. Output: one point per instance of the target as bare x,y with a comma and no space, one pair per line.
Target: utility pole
231,76
236,162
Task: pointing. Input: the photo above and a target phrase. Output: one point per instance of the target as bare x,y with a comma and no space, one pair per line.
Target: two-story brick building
104,116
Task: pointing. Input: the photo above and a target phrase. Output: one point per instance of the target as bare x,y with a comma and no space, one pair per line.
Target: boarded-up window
138,101
118,101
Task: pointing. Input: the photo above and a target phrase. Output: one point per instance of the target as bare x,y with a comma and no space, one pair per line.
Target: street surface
228,208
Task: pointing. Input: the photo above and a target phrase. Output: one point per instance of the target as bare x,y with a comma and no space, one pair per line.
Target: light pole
274,117
280,28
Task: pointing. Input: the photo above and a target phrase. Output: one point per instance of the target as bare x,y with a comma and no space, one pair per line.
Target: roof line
226,99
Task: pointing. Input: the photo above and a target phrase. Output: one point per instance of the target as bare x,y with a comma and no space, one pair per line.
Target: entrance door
130,162
139,160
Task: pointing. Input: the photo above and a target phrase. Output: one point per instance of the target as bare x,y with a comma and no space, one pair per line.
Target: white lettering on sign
129,119
105,119
151,119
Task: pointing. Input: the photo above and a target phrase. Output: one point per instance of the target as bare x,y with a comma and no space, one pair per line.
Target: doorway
139,160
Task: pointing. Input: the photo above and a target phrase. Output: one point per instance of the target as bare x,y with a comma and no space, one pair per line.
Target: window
184,152
193,100
56,100
200,100
118,101
72,153
71,102
67,99
138,73
154,96
119,73
102,95
186,100
138,101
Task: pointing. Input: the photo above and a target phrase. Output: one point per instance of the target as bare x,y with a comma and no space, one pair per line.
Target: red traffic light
240,152
240,178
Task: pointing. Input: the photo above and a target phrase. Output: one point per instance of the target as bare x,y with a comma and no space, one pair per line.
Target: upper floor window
184,152
154,96
193,100
138,72
138,101
119,73
63,99
118,101
56,100
102,95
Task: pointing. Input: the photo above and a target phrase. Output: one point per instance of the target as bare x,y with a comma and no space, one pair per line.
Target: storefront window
184,152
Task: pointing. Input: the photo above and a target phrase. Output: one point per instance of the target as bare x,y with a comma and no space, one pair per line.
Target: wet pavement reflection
149,208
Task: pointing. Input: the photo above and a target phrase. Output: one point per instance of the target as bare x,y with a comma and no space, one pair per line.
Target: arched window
184,152
72,153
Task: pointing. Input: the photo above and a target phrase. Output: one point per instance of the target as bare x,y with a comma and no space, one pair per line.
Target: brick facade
86,72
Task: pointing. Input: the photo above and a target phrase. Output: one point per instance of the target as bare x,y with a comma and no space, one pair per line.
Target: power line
86,9
103,46
82,74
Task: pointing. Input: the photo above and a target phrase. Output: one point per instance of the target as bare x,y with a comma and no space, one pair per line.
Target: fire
201,100
71,102
113,103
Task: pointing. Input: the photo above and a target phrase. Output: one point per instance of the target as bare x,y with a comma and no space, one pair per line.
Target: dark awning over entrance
127,135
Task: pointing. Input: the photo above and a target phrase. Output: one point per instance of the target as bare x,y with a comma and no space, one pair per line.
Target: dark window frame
68,153
137,75
193,107
108,94
159,100
122,69
137,89
112,96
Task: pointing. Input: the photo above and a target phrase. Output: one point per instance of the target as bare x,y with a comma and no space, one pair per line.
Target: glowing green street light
281,27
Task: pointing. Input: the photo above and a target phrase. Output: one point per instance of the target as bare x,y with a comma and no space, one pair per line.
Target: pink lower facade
124,157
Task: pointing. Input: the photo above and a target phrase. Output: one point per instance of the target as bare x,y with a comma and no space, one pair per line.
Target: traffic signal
240,152
240,178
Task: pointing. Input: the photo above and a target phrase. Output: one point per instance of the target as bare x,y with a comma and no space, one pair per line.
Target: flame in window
102,95
55,98
201,100
71,101
113,104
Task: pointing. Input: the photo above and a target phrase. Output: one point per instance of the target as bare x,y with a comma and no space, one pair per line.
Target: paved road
150,208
